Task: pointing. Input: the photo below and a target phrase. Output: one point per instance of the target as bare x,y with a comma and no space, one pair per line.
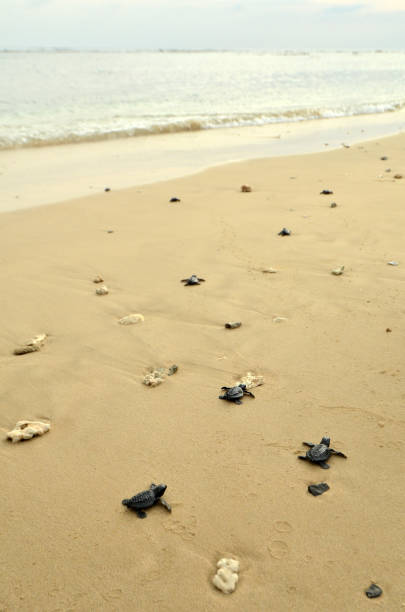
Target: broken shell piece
246,189
98,279
251,380
338,271
279,319
393,263
226,577
24,430
233,325
269,271
131,319
398,176
22,350
32,345
103,290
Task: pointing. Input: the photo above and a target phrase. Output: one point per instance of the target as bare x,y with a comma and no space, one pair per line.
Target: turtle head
242,386
125,502
159,489
325,441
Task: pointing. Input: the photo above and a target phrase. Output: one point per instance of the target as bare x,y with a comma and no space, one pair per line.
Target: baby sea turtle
234,394
193,280
146,499
320,453
284,232
326,192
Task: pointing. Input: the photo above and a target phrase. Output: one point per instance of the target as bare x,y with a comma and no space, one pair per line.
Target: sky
202,24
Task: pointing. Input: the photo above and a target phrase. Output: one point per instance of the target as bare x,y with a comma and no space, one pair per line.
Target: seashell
269,271
233,324
226,577
25,430
246,189
392,263
279,319
103,290
131,319
338,271
98,279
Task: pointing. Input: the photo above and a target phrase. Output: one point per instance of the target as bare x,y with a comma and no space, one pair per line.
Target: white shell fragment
251,380
98,279
226,577
392,263
103,290
25,430
279,319
338,271
131,319
269,271
31,345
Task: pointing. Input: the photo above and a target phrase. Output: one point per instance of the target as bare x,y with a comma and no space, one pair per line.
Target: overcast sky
203,24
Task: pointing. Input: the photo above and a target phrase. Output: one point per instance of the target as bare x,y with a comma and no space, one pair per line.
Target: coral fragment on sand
25,430
131,319
32,345
157,376
226,577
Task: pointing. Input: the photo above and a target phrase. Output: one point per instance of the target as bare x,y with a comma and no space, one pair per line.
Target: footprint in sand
283,526
278,549
185,529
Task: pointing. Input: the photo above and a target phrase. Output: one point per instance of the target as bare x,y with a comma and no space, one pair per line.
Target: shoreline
31,177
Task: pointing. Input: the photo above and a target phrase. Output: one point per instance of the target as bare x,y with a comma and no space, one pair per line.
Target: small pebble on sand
98,279
279,319
174,200
103,290
326,192
246,189
338,271
373,591
333,205
392,263
398,176
388,330
233,324
384,158
269,271
107,189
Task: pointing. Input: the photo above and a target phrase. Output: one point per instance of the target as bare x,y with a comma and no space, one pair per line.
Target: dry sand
232,474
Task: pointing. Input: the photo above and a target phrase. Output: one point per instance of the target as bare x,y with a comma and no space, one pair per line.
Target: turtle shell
234,393
319,452
145,499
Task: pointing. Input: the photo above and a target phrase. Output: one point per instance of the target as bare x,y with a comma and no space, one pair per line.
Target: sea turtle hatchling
146,499
235,394
320,453
193,280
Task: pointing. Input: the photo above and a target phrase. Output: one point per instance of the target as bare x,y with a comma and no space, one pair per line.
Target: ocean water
53,97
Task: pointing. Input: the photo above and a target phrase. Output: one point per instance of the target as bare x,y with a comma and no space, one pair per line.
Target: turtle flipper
237,401
164,503
248,393
308,444
225,388
222,397
339,454
202,280
323,465
141,514
303,458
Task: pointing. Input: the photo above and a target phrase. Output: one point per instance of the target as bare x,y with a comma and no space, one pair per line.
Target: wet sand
233,478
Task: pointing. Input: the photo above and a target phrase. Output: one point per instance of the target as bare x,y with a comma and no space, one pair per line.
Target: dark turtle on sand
146,499
235,394
326,192
320,453
284,232
193,280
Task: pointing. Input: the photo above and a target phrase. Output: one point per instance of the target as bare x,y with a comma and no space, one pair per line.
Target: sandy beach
333,365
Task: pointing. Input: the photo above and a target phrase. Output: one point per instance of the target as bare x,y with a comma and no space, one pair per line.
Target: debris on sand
158,375
318,489
233,324
131,319
174,200
333,205
338,271
246,188
98,279
32,345
227,576
373,591
326,192
251,380
25,430
284,232
103,290
269,271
